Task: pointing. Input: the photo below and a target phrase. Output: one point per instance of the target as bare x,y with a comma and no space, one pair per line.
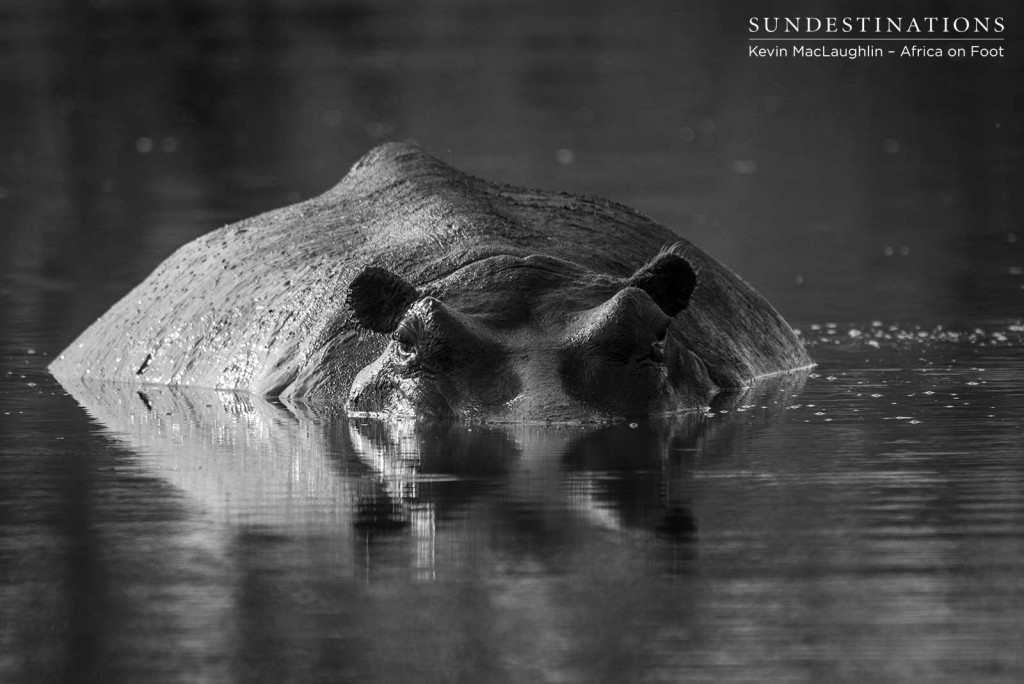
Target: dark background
844,190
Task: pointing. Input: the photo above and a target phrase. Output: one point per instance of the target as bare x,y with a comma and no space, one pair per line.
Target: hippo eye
405,340
406,348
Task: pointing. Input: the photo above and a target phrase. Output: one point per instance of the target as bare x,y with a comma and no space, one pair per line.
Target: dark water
864,522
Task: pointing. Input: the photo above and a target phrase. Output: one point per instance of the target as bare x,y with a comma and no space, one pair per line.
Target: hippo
411,289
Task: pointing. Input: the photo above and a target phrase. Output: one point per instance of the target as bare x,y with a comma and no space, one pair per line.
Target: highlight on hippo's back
411,289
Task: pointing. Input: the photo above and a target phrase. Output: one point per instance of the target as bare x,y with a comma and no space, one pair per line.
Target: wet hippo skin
412,289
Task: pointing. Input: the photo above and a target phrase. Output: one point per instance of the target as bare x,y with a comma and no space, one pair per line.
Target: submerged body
413,289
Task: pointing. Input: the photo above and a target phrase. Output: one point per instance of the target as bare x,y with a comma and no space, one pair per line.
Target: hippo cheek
382,389
688,380
370,392
670,381
610,388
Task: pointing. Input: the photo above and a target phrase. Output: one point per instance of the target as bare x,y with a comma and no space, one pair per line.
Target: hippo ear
669,280
378,299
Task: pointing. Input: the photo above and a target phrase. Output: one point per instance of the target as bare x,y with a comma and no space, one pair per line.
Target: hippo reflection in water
411,289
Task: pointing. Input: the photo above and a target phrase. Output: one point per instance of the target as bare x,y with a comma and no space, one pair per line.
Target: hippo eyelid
409,329
406,348
403,335
405,341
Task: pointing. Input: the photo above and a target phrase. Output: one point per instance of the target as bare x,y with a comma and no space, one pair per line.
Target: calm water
864,522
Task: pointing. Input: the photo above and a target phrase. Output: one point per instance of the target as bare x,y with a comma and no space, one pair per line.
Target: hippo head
534,338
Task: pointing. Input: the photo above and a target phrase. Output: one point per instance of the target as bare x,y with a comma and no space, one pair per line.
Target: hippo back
259,305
